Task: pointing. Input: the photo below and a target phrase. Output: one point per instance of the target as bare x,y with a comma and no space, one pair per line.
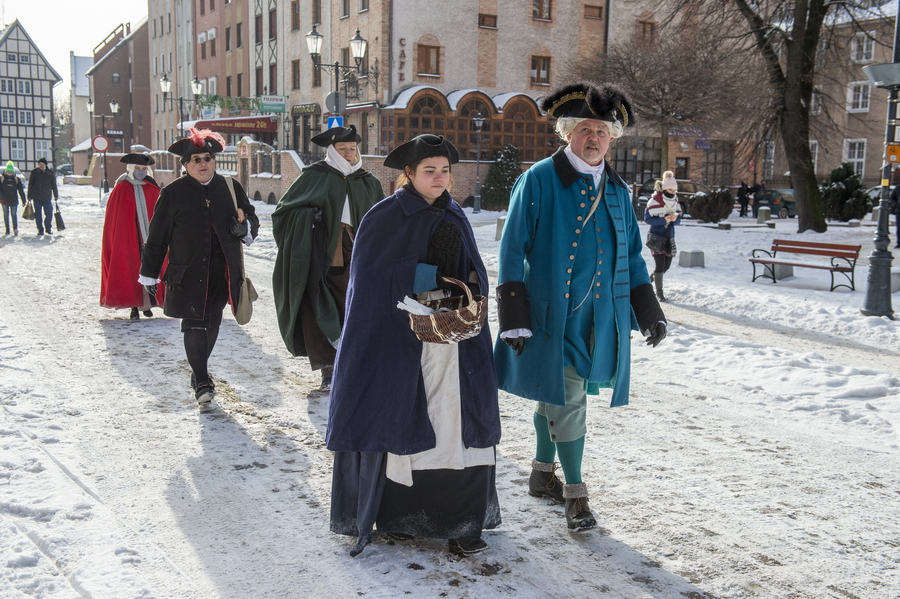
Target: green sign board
272,103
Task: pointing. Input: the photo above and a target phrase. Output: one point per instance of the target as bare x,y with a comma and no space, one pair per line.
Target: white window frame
8,116
7,86
24,59
26,117
17,149
814,151
862,49
815,101
10,57
859,96
859,163
24,87
768,160
212,86
42,149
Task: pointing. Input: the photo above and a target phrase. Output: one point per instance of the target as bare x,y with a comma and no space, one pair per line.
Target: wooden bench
843,259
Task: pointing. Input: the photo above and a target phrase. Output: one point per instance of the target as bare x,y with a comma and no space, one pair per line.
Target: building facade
27,118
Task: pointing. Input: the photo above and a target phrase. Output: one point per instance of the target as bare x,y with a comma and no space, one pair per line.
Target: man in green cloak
314,225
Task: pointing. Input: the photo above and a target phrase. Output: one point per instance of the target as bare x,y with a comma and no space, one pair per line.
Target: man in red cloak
128,215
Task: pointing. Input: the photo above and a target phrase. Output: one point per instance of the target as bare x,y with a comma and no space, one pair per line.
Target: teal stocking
570,454
545,450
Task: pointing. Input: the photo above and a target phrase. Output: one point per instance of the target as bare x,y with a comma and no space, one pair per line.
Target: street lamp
287,132
351,73
114,111
878,291
479,122
165,86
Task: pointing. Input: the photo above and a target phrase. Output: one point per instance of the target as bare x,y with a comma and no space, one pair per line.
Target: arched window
426,116
467,140
535,138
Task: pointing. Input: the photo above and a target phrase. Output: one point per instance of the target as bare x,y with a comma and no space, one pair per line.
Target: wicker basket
463,321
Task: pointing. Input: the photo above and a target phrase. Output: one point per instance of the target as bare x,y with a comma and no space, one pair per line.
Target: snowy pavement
758,457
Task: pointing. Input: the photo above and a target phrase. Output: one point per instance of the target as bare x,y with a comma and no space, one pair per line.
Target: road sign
100,143
336,102
893,153
335,121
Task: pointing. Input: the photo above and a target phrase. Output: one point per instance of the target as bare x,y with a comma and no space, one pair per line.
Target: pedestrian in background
11,187
413,425
197,225
43,192
663,212
895,210
572,286
743,196
314,225
125,229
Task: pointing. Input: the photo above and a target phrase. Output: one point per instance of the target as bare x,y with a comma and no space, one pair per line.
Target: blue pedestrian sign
335,121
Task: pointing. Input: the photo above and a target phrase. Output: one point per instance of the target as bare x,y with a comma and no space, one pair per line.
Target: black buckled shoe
135,314
544,483
327,372
578,514
148,313
467,545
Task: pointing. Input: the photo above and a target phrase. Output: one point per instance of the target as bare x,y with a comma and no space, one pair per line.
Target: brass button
598,295
601,251
571,257
567,295
598,262
568,282
582,204
598,284
579,218
577,231
599,273
512,294
546,336
591,188
598,229
574,244
570,270
592,197
600,240
583,192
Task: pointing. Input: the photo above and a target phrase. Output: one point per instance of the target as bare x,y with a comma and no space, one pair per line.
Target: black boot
148,313
578,514
467,545
326,378
658,280
544,483
135,314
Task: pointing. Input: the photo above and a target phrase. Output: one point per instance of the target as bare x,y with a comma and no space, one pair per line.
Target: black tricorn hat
584,100
143,159
419,148
198,142
336,135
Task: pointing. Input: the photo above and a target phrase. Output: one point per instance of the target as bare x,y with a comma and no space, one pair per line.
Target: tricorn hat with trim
336,135
419,148
584,100
198,142
142,159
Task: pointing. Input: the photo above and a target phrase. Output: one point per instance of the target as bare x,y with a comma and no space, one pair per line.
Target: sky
60,26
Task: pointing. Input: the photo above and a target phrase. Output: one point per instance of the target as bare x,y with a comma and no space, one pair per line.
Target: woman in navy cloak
413,425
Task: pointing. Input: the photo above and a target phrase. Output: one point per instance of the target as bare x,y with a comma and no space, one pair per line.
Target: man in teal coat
573,285
314,225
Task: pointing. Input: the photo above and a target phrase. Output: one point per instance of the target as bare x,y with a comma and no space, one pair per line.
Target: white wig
565,125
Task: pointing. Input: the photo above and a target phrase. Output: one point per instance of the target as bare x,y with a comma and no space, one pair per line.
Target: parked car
63,169
875,194
779,201
686,190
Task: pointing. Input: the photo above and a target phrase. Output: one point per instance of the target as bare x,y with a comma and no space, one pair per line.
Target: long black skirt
442,504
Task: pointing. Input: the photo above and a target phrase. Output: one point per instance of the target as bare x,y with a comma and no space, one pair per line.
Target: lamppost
878,291
52,137
165,87
114,110
479,122
352,73
288,125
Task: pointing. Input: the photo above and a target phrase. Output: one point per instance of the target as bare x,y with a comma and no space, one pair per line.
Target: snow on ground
758,457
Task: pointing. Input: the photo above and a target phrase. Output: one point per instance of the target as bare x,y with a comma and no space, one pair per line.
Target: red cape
120,257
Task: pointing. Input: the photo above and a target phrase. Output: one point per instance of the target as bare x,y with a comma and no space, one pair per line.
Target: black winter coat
42,185
181,227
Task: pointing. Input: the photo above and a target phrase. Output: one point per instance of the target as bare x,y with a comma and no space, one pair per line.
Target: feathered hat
198,142
584,100
336,135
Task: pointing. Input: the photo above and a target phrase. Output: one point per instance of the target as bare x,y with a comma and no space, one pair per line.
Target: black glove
517,343
151,289
657,334
239,229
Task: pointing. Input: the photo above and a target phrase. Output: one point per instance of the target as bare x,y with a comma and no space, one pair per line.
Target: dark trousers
45,207
15,217
319,349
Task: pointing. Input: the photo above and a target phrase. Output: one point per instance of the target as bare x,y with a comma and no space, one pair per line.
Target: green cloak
306,245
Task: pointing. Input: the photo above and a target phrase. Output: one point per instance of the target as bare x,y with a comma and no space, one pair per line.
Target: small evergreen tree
844,196
711,208
501,176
